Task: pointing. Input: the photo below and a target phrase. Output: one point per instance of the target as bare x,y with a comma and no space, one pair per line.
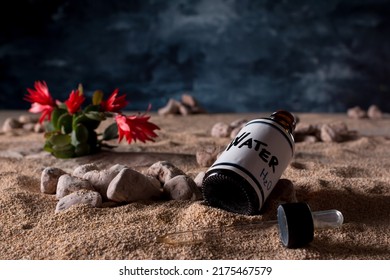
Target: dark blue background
236,55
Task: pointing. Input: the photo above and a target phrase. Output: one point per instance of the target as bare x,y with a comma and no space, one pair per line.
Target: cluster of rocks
26,122
330,132
357,112
186,106
119,184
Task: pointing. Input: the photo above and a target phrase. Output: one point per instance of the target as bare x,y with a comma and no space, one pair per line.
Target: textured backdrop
233,55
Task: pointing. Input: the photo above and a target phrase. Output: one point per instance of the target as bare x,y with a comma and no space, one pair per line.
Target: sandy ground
352,176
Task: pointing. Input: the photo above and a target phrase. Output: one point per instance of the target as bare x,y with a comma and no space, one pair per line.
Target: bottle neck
285,119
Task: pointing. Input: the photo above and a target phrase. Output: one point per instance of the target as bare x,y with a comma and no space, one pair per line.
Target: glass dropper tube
288,231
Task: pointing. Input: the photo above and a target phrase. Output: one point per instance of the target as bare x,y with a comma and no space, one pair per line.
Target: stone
206,156
11,124
189,100
199,179
39,128
171,108
334,132
28,126
184,110
221,129
49,179
88,197
130,185
374,112
238,123
163,171
28,119
182,187
68,184
356,113
81,170
100,179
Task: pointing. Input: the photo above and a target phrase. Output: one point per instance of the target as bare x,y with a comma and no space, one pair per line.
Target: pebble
221,129
171,108
28,119
88,197
49,179
374,112
11,124
68,184
130,185
186,106
81,170
182,187
199,179
100,179
334,132
164,171
206,156
356,113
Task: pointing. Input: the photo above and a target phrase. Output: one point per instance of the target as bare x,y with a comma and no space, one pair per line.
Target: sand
352,176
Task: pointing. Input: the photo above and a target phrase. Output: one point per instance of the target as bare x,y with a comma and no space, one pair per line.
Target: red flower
76,98
114,103
41,100
135,127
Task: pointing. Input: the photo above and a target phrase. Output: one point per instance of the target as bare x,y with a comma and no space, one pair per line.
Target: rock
199,179
334,132
305,128
171,108
101,179
10,124
88,197
309,139
374,112
184,110
28,126
130,185
49,179
206,156
38,128
23,119
182,187
189,100
68,184
356,113
221,129
81,170
163,171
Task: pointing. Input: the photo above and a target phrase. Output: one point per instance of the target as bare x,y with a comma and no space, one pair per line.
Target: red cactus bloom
114,103
76,98
41,100
135,128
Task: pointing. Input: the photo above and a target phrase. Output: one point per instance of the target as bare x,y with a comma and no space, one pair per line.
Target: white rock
171,108
130,185
101,179
374,112
80,170
163,171
356,113
88,197
68,184
199,179
10,124
221,129
182,187
206,156
334,132
49,179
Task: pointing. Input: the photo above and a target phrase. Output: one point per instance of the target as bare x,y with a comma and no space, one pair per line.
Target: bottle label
260,153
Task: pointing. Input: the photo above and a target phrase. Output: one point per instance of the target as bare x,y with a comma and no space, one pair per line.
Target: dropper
296,224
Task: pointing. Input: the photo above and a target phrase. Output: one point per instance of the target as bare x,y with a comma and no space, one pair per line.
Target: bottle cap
296,227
